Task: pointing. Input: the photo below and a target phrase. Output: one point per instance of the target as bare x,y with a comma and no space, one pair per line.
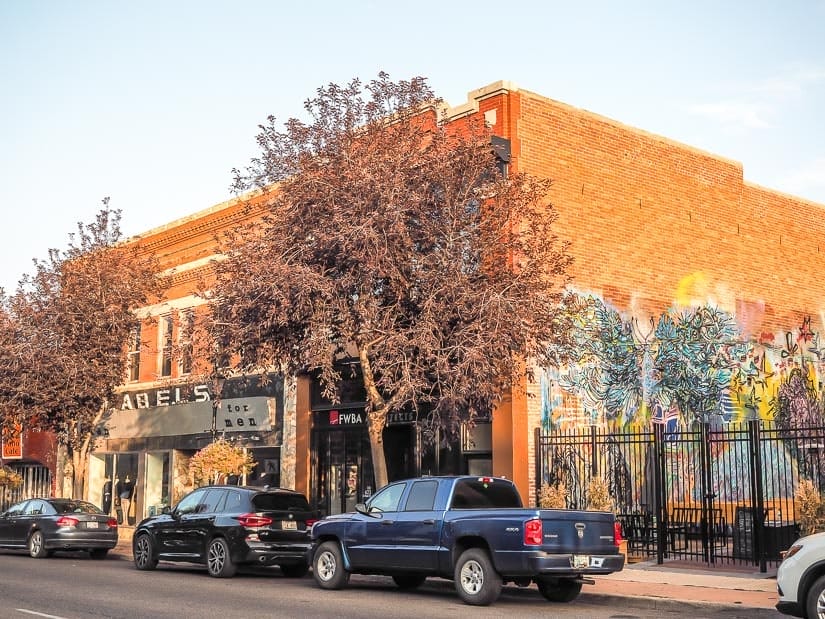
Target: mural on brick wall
685,366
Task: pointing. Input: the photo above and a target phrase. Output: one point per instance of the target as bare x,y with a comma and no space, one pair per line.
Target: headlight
791,551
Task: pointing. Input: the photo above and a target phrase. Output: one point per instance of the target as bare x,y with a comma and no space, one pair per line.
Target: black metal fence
718,496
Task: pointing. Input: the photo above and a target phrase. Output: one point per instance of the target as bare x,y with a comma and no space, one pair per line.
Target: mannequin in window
106,503
118,508
127,489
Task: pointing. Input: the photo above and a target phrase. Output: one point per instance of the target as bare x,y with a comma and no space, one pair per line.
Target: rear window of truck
484,493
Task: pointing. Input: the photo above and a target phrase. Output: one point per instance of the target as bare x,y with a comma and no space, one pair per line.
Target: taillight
66,521
532,532
254,521
310,522
112,523
617,533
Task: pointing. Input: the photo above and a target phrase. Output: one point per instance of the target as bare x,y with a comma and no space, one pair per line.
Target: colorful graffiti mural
691,365
694,360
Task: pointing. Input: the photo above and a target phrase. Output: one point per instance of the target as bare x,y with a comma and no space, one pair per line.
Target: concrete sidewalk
649,585
659,586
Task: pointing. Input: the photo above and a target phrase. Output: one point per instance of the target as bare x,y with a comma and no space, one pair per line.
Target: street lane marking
34,612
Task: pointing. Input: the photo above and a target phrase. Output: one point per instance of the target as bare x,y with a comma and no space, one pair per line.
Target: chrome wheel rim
472,577
217,557
820,606
142,551
36,543
326,566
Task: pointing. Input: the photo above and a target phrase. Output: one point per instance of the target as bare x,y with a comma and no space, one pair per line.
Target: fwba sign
12,446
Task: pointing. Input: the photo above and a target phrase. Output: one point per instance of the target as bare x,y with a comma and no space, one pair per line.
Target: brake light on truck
533,532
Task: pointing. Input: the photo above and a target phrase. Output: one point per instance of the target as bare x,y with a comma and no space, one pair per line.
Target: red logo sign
333,418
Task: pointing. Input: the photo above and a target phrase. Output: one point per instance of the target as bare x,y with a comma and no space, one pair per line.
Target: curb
657,603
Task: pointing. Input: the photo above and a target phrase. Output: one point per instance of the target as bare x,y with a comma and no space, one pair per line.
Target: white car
801,578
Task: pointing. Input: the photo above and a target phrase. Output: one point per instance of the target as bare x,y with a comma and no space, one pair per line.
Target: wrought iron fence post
539,466
659,492
594,454
757,491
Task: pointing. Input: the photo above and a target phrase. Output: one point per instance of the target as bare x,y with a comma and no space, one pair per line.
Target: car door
200,523
172,533
417,529
371,537
32,515
8,520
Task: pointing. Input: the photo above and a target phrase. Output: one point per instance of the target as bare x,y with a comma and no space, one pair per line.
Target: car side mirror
361,508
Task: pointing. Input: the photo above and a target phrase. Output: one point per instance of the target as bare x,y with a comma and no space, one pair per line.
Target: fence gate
37,482
712,495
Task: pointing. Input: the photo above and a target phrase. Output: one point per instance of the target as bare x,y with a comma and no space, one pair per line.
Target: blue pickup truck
472,530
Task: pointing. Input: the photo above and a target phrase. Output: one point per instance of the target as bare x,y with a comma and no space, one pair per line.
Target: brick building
652,223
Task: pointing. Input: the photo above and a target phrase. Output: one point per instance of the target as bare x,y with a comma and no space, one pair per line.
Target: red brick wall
653,222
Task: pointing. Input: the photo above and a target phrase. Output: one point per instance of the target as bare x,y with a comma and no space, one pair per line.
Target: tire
218,562
328,566
297,570
143,552
815,599
476,580
37,548
99,553
409,581
559,589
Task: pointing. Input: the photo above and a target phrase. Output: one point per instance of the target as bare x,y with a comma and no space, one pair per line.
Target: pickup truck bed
472,530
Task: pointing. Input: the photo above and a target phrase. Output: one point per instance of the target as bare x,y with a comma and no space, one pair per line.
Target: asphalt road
72,586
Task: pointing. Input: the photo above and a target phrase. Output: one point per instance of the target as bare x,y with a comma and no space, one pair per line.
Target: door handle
429,521
386,523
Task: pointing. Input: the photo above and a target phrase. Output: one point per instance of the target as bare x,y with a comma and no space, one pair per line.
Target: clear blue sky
153,103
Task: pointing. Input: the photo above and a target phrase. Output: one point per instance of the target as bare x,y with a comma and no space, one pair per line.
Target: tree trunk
60,470
376,420
80,461
379,459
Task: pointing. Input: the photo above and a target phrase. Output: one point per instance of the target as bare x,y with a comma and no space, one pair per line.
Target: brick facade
652,224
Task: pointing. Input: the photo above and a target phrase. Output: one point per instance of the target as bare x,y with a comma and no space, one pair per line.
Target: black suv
227,526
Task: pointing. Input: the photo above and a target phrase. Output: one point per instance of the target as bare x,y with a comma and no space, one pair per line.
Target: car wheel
328,566
143,553
218,562
559,589
36,547
99,553
815,600
409,581
298,570
476,580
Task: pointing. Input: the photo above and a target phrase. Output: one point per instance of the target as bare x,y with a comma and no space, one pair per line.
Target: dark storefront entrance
341,461
342,473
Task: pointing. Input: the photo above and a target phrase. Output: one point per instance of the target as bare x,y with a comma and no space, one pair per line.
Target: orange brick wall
653,222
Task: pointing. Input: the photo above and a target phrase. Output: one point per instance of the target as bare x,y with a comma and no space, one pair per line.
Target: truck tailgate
572,531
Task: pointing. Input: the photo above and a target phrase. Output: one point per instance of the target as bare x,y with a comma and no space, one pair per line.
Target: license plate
581,561
289,525
93,524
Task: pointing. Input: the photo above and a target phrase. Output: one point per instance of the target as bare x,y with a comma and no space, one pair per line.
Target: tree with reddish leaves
65,334
393,240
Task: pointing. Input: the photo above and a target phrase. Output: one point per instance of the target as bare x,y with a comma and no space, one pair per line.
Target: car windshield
280,502
75,507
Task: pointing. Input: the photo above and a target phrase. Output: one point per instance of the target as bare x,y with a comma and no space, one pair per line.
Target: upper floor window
134,353
165,327
185,334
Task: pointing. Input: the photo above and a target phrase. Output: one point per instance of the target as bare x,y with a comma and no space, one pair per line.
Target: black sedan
43,526
227,526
